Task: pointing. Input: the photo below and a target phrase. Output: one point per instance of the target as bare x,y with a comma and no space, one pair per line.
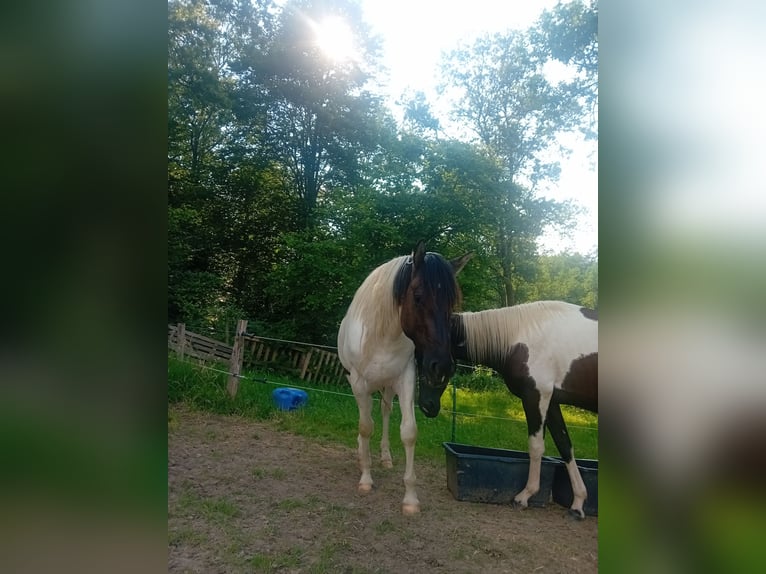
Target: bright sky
416,32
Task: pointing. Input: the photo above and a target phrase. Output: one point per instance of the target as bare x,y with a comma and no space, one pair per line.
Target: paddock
244,496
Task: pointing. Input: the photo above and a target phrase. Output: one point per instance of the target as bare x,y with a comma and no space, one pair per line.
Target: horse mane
377,300
374,303
494,332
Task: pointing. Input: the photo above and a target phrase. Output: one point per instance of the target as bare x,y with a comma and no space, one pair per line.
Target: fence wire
328,391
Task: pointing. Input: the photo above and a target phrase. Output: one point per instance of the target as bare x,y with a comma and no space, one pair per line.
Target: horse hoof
365,488
387,464
518,504
577,514
410,509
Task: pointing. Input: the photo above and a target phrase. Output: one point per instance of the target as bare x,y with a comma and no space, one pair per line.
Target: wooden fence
197,346
309,362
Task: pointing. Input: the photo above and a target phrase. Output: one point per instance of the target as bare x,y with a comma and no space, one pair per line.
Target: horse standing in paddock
547,354
400,314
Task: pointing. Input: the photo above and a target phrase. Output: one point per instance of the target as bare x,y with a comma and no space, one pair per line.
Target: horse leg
535,407
386,399
556,425
408,430
364,402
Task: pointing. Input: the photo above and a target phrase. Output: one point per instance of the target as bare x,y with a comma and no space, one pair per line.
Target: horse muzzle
429,398
430,407
435,373
438,372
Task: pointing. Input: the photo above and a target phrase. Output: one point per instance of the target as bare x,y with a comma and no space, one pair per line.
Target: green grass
186,537
276,562
217,510
333,418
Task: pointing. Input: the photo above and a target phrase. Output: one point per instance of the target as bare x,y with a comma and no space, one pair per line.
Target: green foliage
311,287
502,95
192,296
289,181
565,277
320,117
569,34
504,98
477,379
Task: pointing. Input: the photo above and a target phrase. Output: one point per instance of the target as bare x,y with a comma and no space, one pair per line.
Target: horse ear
418,255
459,262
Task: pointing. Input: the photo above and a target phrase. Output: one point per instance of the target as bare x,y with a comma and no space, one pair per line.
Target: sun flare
335,38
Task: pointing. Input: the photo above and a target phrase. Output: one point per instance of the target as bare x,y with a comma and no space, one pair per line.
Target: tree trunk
506,265
510,294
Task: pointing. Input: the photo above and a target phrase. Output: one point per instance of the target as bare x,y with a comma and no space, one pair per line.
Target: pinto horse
399,314
547,354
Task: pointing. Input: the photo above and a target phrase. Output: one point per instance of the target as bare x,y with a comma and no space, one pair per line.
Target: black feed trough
494,475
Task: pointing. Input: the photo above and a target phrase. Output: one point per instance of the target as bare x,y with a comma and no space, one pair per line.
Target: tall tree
505,98
225,195
320,117
198,112
568,33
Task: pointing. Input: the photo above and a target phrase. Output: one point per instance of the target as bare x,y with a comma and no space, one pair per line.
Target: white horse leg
578,489
408,431
364,402
561,437
536,425
386,399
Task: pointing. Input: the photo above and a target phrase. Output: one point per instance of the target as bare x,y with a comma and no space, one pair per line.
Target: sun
335,38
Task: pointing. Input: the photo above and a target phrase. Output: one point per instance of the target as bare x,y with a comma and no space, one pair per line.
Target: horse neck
374,303
489,335
457,338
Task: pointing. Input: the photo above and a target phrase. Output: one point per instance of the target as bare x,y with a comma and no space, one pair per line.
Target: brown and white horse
402,306
547,354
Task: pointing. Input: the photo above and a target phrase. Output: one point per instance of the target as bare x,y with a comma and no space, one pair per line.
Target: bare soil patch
246,497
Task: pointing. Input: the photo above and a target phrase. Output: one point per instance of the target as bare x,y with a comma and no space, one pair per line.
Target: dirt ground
246,497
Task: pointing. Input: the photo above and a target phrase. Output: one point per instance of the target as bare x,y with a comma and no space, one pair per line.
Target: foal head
427,292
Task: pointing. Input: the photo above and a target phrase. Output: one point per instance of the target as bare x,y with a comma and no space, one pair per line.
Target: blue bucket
288,399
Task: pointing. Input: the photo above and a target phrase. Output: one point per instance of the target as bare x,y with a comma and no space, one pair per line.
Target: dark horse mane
436,272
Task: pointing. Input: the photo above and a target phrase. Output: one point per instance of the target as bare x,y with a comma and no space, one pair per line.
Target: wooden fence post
181,340
305,363
235,364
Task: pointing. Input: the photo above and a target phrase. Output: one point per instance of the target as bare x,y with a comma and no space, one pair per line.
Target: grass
290,558
217,510
276,473
491,417
186,536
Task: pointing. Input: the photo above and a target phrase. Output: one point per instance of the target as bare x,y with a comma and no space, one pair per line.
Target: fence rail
197,346
309,362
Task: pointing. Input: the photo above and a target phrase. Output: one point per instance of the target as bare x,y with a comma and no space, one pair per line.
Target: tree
418,116
199,111
503,95
319,118
568,277
569,34
226,197
288,180
205,40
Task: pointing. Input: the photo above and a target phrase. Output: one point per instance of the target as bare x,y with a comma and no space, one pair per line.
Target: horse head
427,292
